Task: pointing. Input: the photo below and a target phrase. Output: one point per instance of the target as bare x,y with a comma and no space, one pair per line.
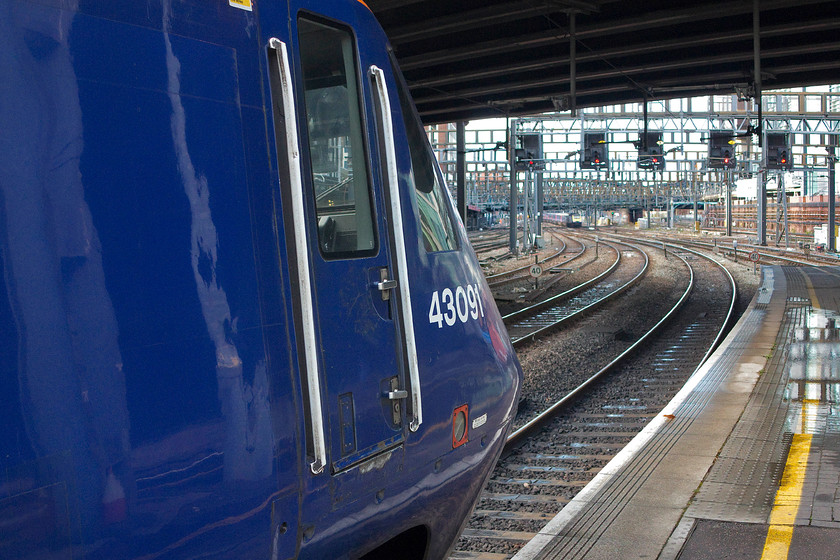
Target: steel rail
490,240
733,286
502,277
555,300
521,273
762,252
519,435
540,420
530,310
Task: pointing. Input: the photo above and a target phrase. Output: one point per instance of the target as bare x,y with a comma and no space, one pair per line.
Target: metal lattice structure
811,119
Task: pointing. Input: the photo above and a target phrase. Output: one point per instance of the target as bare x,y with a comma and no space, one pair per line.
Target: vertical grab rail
313,383
387,131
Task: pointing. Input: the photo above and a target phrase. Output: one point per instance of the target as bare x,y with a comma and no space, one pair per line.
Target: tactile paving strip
742,483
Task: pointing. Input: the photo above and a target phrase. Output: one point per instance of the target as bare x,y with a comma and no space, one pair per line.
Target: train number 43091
449,306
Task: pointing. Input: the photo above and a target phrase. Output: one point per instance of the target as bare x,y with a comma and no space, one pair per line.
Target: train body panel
203,350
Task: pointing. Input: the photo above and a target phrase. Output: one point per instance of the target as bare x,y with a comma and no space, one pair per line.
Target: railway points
528,323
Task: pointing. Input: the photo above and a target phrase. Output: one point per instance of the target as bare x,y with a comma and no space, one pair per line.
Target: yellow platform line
812,293
786,506
789,496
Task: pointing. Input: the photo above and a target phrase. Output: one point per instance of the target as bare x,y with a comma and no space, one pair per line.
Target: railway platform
744,462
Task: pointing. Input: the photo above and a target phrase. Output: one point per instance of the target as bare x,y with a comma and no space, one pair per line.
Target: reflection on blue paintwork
247,439
69,363
133,386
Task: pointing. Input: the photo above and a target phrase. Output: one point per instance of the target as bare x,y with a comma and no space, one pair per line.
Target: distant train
241,318
564,218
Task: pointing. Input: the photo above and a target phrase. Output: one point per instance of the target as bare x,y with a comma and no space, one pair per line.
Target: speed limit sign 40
536,270
754,256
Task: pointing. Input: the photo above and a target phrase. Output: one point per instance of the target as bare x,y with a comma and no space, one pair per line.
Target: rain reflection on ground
813,365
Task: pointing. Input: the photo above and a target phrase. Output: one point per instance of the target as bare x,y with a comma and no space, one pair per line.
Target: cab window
341,187
433,204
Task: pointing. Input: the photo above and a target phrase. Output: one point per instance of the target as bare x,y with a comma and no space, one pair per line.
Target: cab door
357,339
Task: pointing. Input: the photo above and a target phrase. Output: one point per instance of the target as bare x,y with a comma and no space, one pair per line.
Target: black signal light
530,155
651,154
777,151
721,150
594,153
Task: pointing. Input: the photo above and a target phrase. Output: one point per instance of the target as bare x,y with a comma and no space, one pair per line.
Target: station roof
470,59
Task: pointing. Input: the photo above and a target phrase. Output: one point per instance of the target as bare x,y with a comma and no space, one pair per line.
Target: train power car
240,318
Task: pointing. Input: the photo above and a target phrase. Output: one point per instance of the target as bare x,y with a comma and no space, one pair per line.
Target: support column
785,202
782,199
832,190
728,187
461,168
572,66
694,201
513,200
527,210
670,207
761,208
757,66
538,207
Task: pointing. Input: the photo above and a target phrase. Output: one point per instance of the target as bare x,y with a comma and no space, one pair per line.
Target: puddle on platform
813,367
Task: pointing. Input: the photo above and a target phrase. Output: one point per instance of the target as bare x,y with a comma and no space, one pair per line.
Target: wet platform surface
745,461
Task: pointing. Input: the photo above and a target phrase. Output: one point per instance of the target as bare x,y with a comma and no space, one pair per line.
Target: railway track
556,451
503,268
516,288
794,237
526,324
523,272
489,240
766,254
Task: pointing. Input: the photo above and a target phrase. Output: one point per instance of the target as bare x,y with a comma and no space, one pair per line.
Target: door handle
385,284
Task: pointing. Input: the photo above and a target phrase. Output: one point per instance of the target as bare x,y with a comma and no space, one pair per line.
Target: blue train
240,317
